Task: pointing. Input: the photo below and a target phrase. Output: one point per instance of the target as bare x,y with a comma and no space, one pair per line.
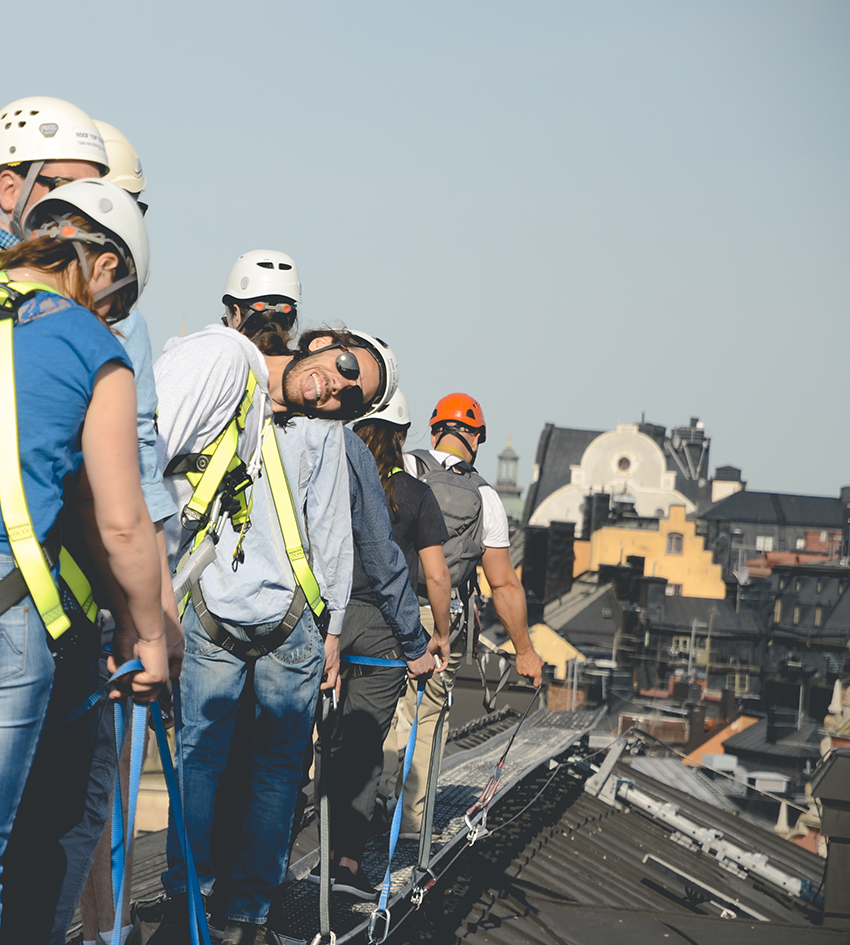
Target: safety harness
34,562
220,480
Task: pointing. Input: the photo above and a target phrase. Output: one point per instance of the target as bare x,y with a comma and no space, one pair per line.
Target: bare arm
438,583
110,452
173,630
509,601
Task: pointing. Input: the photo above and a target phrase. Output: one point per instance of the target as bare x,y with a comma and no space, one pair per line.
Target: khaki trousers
433,700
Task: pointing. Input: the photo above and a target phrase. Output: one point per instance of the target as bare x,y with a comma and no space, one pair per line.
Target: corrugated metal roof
569,868
692,781
778,509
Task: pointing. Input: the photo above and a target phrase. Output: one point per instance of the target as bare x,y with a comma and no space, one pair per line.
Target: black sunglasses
346,363
51,183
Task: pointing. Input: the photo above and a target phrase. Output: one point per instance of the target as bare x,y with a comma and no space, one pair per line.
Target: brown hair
271,337
59,258
386,442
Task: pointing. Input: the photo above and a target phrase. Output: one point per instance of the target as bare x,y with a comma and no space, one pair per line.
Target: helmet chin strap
455,431
23,197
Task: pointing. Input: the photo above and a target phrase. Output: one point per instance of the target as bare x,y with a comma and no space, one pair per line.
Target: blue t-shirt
57,356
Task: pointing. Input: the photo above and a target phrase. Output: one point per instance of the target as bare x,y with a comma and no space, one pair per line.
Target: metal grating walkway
463,776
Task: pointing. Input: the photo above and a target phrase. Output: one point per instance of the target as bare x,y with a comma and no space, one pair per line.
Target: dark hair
271,332
57,258
339,336
386,442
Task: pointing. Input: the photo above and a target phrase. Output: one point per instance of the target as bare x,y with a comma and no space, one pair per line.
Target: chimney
534,560
831,786
560,559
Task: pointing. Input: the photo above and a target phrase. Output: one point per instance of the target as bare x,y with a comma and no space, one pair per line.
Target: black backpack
456,490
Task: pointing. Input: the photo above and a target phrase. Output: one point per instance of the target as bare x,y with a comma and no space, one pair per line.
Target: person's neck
277,363
31,274
455,449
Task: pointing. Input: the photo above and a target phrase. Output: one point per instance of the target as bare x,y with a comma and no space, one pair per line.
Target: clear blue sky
577,212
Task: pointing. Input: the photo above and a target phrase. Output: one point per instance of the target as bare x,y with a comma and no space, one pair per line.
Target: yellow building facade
674,551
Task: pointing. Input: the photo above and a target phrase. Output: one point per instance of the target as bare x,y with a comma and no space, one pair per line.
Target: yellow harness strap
222,459
78,584
26,548
286,516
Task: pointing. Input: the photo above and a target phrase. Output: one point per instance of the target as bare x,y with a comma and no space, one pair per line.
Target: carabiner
373,921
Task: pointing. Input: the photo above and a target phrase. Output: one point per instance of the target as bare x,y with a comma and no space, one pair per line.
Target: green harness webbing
288,520
28,553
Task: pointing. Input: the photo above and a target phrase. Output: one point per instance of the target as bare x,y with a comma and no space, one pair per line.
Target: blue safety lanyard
382,912
197,914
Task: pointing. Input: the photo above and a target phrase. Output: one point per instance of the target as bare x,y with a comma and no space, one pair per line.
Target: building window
797,585
739,683
818,616
673,590
764,542
796,617
801,544
624,463
681,645
824,537
820,586
777,611
674,543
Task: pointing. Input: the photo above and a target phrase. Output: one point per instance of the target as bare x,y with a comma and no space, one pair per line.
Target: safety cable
490,788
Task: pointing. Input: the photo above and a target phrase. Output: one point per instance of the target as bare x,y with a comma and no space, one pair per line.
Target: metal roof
778,509
570,869
557,450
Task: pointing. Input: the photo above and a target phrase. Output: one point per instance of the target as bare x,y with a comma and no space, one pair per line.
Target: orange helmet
460,408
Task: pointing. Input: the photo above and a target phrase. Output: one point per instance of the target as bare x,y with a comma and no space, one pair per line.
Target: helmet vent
266,265
283,266
470,413
22,124
7,126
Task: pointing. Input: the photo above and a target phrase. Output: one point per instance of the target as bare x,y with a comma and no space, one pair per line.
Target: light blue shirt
261,590
133,335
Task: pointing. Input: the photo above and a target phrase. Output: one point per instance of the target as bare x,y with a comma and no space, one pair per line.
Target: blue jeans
286,688
26,677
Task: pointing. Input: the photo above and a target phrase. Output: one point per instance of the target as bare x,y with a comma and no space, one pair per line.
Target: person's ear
10,188
321,341
105,266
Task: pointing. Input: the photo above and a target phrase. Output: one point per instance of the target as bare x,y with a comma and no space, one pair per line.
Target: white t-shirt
495,534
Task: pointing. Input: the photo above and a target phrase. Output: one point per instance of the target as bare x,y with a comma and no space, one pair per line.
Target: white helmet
38,129
396,411
125,168
262,274
116,214
387,363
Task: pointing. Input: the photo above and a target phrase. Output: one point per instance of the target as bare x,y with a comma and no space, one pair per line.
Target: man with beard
252,618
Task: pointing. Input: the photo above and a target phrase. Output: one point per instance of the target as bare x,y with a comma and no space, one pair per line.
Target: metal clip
318,939
373,922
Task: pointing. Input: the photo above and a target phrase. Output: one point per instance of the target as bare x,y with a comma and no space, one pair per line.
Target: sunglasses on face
346,363
51,183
